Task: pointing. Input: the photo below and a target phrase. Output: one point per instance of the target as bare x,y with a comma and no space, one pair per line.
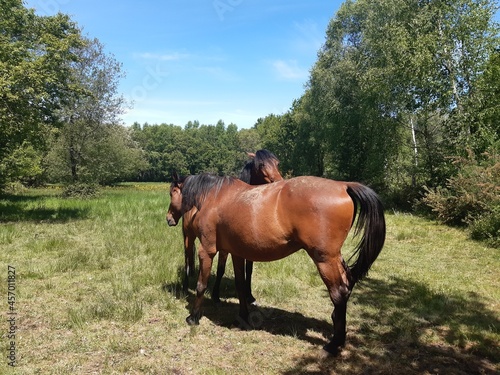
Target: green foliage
23,165
393,83
59,92
90,146
296,139
487,227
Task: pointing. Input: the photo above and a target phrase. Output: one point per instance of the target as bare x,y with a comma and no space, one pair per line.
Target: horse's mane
196,188
261,157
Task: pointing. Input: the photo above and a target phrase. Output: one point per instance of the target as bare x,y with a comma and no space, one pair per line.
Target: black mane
196,188
261,157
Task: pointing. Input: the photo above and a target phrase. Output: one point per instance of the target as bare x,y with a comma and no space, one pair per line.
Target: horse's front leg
188,259
241,289
206,260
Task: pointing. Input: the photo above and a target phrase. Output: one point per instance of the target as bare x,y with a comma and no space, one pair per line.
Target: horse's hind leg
221,269
335,275
248,281
241,288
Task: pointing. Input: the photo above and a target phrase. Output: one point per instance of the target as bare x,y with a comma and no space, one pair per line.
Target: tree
89,146
392,85
111,157
24,165
249,140
484,108
35,77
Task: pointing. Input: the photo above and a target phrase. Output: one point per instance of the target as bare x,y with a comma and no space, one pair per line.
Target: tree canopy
35,76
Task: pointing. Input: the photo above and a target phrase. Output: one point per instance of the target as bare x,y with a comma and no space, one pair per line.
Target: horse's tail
371,220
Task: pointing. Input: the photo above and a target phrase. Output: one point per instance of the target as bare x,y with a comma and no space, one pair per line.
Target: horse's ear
175,176
251,155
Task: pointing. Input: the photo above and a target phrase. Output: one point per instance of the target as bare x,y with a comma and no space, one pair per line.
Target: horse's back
277,219
315,192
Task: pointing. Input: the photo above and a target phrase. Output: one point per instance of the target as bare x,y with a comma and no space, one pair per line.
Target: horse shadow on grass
398,321
398,326
266,318
31,208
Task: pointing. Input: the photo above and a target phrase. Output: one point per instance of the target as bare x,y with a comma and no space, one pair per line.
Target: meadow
96,287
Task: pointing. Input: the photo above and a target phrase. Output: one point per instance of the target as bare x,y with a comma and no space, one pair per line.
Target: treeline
404,96
193,148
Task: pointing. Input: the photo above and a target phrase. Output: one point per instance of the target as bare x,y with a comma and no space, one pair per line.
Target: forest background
404,96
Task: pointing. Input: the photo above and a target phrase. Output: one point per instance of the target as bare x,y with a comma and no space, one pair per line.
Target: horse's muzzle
171,221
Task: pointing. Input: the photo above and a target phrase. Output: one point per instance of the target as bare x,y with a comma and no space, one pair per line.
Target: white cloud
290,70
174,56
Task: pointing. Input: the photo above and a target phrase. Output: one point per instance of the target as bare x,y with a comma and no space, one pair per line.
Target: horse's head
175,208
265,168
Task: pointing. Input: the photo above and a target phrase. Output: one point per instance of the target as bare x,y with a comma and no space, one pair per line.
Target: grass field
96,290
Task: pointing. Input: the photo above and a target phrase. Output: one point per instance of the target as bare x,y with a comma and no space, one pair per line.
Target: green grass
98,291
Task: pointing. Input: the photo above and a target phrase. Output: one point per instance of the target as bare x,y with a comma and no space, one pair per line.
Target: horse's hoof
193,320
332,349
216,299
241,324
251,300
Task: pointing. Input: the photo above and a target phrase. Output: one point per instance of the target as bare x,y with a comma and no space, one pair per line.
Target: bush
454,206
487,228
13,188
472,197
80,190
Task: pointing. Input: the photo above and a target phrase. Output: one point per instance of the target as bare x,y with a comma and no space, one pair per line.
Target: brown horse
269,222
261,169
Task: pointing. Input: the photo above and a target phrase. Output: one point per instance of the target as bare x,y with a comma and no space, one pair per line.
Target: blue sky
205,60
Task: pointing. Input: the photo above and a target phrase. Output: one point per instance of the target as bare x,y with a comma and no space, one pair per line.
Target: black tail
371,220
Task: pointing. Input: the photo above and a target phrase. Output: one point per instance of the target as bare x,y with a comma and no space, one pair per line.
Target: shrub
80,190
472,197
15,188
487,228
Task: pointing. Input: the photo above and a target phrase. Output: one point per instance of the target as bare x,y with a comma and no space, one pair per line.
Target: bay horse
269,222
261,169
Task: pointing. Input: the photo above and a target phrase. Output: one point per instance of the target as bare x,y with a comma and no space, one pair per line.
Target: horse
261,169
269,222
